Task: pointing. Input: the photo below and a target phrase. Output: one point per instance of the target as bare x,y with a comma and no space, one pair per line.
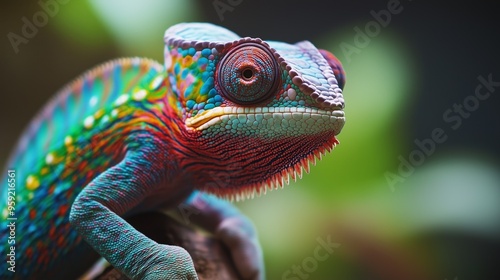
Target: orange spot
62,210
66,226
69,193
52,232
29,252
60,241
82,165
66,172
44,171
44,257
32,214
188,60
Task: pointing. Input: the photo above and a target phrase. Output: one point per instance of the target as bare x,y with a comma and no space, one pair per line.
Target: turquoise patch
177,69
212,93
190,104
184,74
202,61
209,83
192,51
188,91
206,52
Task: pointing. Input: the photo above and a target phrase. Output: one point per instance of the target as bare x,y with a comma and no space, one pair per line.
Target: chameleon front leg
228,224
96,212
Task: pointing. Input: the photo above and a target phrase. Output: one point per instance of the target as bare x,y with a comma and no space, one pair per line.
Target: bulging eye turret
248,74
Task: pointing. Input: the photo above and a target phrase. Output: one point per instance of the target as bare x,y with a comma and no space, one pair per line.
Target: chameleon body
224,117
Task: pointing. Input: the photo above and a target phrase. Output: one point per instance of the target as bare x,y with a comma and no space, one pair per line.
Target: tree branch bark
211,258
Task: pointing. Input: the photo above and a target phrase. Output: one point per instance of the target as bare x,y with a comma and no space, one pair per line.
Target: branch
211,258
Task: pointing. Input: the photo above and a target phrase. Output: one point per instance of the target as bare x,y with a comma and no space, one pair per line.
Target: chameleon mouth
299,137
310,116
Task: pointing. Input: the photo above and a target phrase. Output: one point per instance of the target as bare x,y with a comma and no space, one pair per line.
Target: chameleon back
56,157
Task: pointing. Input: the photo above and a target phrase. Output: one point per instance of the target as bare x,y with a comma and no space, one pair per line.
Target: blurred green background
439,219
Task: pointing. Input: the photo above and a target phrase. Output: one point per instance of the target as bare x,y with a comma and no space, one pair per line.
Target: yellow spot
139,95
5,213
52,158
98,114
70,149
44,171
32,182
122,99
88,122
68,140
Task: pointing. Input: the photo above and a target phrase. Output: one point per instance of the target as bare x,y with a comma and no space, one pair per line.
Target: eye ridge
248,74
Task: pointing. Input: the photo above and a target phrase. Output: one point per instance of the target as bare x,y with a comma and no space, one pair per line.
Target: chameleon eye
248,74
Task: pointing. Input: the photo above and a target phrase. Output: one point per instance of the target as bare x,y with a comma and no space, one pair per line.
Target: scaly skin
224,117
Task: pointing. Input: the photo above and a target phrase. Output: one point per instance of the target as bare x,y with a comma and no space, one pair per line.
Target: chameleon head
259,111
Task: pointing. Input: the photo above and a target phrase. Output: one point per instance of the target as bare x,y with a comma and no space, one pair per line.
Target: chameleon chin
223,117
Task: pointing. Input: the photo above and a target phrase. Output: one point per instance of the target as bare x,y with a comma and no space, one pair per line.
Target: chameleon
223,118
